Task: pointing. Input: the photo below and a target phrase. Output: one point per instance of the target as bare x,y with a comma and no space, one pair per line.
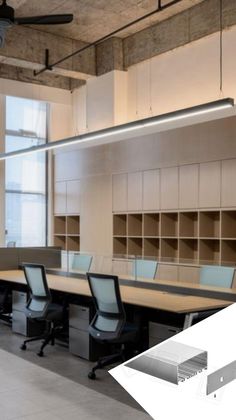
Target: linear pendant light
117,131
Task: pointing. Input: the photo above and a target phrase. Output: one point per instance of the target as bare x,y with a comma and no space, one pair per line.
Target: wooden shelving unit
196,237
67,232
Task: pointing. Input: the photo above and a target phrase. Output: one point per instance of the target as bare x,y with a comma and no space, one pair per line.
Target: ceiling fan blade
44,20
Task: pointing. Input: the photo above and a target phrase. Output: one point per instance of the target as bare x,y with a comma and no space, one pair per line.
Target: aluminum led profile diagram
172,361
221,377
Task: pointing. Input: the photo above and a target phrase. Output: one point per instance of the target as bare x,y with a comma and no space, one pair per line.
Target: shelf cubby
188,249
135,246
228,224
120,246
67,232
60,225
151,247
169,224
120,225
73,243
169,248
228,251
60,240
188,224
73,225
198,236
209,250
209,224
135,225
151,224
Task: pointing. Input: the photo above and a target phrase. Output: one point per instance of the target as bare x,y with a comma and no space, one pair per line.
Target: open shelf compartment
169,224
188,224
228,224
188,249
135,246
209,250
60,225
228,251
120,246
119,225
135,224
169,248
73,243
151,247
73,225
209,224
151,224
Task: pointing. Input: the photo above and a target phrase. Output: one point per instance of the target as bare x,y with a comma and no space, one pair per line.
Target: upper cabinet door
119,192
135,191
60,197
151,190
188,186
169,188
73,197
209,185
228,181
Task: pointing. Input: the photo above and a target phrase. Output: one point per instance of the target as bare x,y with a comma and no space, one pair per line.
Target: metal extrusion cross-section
172,361
221,377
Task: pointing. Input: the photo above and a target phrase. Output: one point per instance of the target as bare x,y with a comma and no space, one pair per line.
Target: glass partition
131,269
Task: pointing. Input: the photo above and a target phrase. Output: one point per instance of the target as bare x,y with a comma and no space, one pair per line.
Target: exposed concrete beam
109,56
26,75
190,25
25,47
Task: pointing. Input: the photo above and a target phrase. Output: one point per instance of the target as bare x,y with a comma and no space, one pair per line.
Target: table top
132,295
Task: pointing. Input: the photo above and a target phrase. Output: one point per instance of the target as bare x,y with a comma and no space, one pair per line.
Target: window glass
25,176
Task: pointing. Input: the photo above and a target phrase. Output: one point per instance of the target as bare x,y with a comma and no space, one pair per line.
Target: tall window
25,176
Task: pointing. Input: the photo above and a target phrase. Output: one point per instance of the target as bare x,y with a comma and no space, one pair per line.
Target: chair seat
54,312
128,333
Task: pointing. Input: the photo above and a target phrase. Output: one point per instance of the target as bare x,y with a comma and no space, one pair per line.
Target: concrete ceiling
95,18
178,25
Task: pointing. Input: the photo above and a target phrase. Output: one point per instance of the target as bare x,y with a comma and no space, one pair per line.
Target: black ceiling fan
7,19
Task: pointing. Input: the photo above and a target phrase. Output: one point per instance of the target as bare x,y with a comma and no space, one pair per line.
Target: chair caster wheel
92,375
23,347
40,353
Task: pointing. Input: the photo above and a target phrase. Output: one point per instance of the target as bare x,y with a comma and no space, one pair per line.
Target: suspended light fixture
129,130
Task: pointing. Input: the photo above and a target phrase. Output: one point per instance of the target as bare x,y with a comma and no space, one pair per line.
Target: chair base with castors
108,360
48,338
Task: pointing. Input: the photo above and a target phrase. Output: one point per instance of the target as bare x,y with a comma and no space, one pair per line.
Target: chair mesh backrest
36,280
105,291
81,262
144,268
217,276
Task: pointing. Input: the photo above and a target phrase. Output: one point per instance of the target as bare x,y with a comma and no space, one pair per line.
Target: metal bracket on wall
221,377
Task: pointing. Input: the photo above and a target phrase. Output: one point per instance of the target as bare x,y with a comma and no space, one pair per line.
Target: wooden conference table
187,304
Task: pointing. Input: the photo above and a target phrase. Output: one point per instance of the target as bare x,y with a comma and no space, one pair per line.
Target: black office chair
5,304
109,324
40,307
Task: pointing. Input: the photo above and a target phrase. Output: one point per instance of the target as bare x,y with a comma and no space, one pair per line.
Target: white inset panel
151,190
119,192
135,191
209,185
228,182
169,188
60,198
73,197
188,186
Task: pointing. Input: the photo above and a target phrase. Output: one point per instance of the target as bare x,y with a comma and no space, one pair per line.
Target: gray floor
56,386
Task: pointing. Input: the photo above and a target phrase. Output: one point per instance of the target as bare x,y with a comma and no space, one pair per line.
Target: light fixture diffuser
134,126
